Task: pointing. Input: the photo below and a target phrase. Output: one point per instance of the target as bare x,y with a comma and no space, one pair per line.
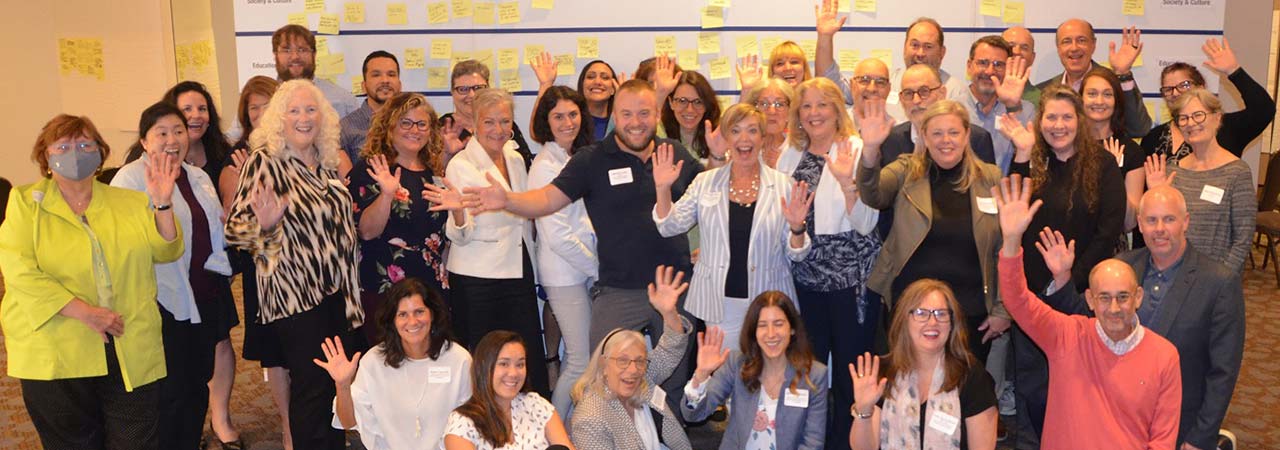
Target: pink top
1097,399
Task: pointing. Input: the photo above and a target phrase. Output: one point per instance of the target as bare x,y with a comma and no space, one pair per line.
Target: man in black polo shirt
614,178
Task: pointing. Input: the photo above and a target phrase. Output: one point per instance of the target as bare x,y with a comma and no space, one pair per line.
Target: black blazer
1203,316
899,143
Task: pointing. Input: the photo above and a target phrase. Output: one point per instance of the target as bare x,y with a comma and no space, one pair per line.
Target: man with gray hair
1076,43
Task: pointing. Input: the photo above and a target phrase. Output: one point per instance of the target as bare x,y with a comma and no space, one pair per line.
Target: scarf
900,415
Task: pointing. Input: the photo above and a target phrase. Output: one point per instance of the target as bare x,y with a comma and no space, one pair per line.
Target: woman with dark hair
1105,112
597,83
689,114
467,79
406,386
931,378
502,414
1238,128
771,365
193,290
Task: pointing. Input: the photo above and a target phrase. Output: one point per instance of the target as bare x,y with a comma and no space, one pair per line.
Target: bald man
870,84
1113,383
1076,44
1024,45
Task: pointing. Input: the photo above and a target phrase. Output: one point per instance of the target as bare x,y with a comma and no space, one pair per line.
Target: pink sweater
1097,399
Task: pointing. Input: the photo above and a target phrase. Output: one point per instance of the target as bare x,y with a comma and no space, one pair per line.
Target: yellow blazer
46,258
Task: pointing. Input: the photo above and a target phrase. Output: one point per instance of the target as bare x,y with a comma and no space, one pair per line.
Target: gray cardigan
798,428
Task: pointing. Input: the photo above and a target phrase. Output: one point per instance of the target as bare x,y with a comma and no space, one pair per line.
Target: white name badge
800,399
1212,194
439,375
658,399
620,176
944,423
987,205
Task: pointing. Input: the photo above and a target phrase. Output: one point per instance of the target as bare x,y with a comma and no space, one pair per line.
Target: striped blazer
706,204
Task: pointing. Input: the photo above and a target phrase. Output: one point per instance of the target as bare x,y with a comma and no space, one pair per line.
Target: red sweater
1097,399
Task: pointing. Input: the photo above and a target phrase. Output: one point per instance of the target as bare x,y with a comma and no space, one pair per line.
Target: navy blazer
798,428
899,143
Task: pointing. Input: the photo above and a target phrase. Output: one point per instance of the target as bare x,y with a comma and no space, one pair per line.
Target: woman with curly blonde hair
294,214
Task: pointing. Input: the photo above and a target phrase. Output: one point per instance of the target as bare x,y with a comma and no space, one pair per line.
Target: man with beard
295,50
381,82
614,179
995,89
1076,44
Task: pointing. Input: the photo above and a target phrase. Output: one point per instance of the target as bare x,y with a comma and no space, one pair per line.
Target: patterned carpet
1251,416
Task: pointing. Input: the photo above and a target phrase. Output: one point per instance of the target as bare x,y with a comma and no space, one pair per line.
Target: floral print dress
413,242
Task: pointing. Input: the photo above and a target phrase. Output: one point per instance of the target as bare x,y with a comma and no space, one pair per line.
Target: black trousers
94,413
1030,387
184,392
311,390
481,305
831,320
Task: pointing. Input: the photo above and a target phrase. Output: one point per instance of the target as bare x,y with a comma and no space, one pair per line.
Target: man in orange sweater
1112,382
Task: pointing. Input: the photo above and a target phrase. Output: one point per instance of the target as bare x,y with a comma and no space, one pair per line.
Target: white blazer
566,239
769,255
489,245
173,282
829,214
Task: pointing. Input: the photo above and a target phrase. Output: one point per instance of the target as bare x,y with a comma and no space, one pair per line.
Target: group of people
393,258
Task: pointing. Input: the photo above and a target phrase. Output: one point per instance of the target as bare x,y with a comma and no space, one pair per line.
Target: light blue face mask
75,165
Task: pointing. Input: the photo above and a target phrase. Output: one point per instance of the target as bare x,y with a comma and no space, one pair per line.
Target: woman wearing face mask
774,98
944,222
83,334
752,217
502,414
1222,201
927,379
1100,91
191,291
1238,128
778,392
467,79
407,385
688,115
293,212
619,402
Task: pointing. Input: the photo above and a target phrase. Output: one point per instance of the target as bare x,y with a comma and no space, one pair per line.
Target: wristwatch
853,411
162,207
1125,77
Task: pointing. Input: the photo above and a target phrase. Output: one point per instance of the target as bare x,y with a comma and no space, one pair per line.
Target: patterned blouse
835,261
529,416
311,253
412,244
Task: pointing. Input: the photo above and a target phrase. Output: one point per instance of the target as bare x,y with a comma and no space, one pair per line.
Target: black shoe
720,415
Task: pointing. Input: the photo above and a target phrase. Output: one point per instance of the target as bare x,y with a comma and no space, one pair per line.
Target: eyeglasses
1107,299
776,104
87,147
922,315
464,90
868,80
421,125
985,63
1180,87
623,364
296,51
682,102
923,92
1197,117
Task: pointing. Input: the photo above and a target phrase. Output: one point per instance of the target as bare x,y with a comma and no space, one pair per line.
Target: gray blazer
600,422
1137,122
798,428
1203,316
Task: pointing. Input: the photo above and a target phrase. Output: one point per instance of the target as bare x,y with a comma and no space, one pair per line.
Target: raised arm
663,293
1037,319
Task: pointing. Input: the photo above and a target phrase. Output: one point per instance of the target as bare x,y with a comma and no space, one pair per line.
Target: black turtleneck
948,252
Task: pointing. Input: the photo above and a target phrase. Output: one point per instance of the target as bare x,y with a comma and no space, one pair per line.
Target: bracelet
853,411
1125,77
1013,109
162,207
798,233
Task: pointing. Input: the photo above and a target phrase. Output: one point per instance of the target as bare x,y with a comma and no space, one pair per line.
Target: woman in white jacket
748,238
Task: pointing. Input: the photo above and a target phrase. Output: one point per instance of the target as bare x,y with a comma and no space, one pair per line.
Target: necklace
738,195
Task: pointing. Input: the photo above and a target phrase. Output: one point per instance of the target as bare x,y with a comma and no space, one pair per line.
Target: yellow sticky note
588,48
719,68
864,5
509,80
1133,7
810,47
1138,62
181,53
848,60
747,45
442,48
331,64
990,8
458,57
712,17
322,45
483,56
314,6
664,45
884,55
414,58
842,6
482,13
461,9
508,13
1014,12
298,19
767,44
330,78
397,14
726,101
438,78
720,3
564,65
353,12
532,51
508,58
708,43
93,57
357,85
201,54
329,24
67,55
437,12
687,58
543,4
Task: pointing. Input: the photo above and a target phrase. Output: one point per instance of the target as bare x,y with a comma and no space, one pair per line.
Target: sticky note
397,14
483,56
322,45
746,45
508,58
1013,12
1133,7
461,9
990,8
708,43
357,85
712,17
543,4
331,64
1138,62
532,51
458,57
810,47
725,101
314,6
437,12
330,78
719,68
564,65
848,59
884,55
181,54
442,48
298,19
767,44
864,5
353,12
842,6
201,54
509,80
482,13
438,78
508,13
329,23
664,45
720,3
414,58
588,48
687,58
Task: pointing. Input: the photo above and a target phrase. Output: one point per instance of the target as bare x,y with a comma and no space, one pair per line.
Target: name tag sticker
620,176
800,399
658,399
944,423
1212,194
439,375
987,205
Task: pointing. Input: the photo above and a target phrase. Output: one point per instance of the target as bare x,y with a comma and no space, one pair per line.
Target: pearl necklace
750,192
